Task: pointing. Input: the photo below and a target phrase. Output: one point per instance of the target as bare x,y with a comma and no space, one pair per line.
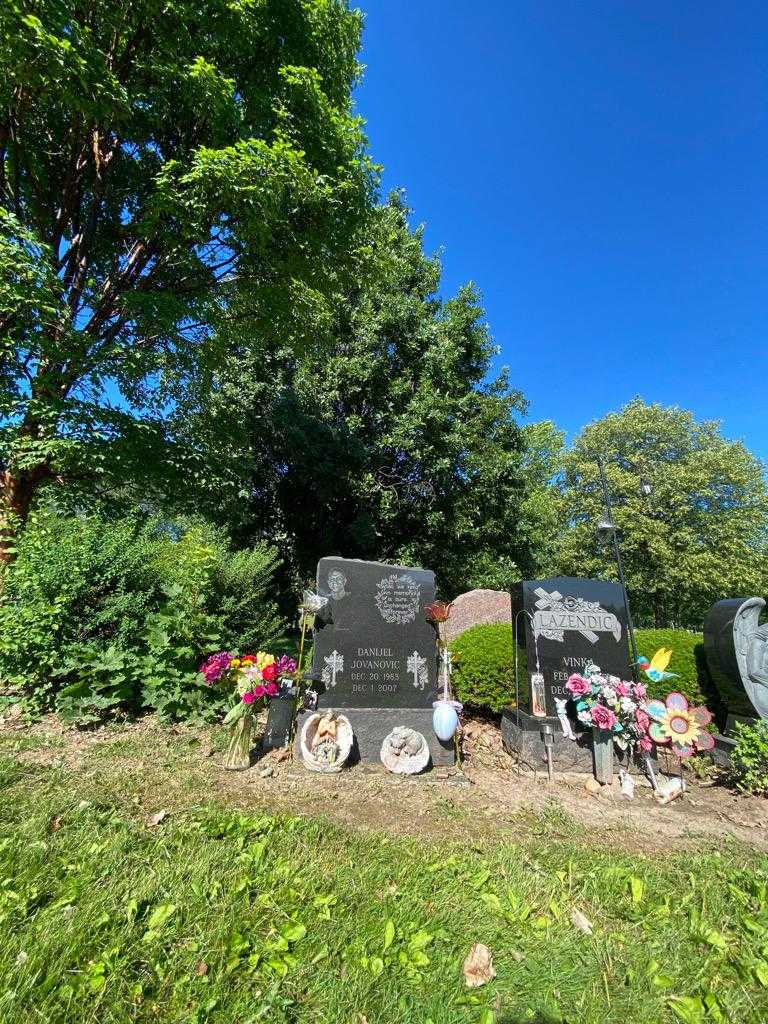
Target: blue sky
600,171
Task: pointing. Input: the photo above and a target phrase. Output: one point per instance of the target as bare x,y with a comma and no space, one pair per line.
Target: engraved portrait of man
337,583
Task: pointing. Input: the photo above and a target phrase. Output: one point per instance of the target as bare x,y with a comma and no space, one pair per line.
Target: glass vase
538,696
239,751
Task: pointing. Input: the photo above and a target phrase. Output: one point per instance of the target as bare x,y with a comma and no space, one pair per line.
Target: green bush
749,759
687,661
483,676
99,615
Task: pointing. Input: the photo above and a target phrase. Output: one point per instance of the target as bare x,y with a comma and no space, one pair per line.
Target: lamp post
607,527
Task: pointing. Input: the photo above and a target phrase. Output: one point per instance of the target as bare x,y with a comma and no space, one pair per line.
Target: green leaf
761,972
158,919
637,888
294,932
376,966
689,1009
714,938
389,933
420,940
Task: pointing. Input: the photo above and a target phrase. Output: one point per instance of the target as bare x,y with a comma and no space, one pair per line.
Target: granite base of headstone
372,725
375,653
522,738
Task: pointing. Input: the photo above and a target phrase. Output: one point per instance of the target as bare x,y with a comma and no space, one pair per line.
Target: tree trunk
658,611
17,492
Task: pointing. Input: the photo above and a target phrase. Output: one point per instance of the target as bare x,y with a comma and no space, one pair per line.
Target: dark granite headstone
570,623
375,653
736,647
377,650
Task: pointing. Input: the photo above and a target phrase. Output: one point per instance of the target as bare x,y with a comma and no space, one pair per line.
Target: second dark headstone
570,623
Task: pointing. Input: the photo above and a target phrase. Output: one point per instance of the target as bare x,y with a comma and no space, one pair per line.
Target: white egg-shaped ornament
445,719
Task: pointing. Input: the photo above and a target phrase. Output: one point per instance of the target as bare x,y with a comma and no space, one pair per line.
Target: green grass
221,917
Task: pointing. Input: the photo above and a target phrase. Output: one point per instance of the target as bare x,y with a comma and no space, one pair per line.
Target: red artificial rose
438,611
269,673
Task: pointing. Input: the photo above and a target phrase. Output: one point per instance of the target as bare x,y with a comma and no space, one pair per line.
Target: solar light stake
651,773
548,735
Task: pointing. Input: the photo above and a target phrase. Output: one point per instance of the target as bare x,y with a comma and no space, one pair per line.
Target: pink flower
249,697
645,743
640,691
214,667
577,685
260,691
272,689
622,689
642,719
603,717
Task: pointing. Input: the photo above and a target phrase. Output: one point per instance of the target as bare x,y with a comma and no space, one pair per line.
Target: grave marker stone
736,646
477,608
375,653
570,623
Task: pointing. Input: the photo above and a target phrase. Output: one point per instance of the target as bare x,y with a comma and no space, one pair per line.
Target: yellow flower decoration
263,659
235,663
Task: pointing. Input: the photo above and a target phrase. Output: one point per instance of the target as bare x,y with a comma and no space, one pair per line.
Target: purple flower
285,666
214,667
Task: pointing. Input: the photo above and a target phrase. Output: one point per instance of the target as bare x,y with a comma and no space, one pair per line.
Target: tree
389,440
155,161
701,534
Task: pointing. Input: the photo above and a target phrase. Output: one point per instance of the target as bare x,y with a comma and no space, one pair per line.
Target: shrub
99,615
484,673
749,758
687,661
484,676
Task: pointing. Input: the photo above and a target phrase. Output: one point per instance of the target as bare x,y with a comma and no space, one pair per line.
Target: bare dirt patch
157,768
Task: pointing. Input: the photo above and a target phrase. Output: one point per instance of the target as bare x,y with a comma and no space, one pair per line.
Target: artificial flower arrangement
254,678
614,705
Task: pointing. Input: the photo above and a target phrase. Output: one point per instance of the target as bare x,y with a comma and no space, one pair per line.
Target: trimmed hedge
687,661
483,675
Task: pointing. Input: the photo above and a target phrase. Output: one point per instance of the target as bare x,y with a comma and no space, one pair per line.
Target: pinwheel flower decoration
674,722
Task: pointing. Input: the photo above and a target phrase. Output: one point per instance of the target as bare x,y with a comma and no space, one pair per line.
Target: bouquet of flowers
254,678
614,705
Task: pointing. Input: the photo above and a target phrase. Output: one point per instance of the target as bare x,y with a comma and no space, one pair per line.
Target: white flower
627,704
609,693
584,716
